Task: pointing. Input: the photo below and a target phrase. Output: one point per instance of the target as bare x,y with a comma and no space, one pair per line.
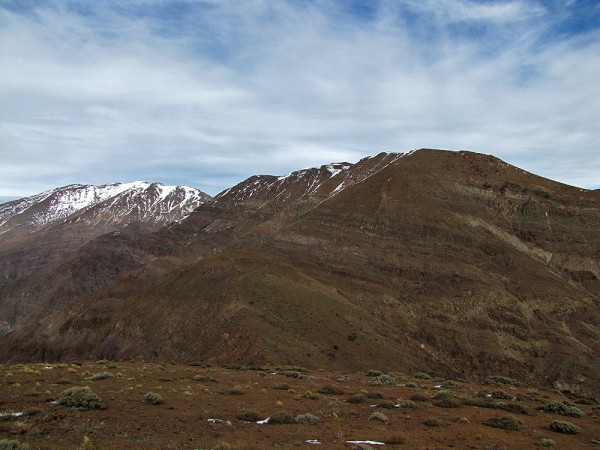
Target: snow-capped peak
138,200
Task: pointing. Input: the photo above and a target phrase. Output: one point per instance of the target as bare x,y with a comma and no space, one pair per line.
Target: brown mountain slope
451,262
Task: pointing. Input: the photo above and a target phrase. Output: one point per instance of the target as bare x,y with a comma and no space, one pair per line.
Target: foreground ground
202,408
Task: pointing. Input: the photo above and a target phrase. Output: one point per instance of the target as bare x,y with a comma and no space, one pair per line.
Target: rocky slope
452,262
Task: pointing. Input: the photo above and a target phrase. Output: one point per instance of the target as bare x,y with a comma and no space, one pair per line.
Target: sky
206,93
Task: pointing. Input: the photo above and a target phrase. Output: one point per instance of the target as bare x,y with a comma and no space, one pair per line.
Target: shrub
311,395
249,416
152,398
101,376
448,402
356,399
236,390
282,387
515,408
496,380
374,373
13,444
375,395
379,417
330,389
80,397
506,423
386,404
501,395
562,409
546,442
281,418
395,439
308,419
419,397
433,422
406,404
423,376
411,385
564,427
451,384
292,374
204,379
384,379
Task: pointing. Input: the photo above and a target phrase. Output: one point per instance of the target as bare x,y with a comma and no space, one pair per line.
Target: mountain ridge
452,262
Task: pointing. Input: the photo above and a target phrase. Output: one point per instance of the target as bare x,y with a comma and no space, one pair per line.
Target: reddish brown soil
182,421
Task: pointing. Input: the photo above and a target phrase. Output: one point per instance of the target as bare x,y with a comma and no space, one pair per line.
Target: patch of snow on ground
365,442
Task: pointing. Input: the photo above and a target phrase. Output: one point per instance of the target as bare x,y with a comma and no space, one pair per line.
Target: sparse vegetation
282,387
307,419
562,409
13,444
281,418
564,427
236,390
331,389
386,404
379,417
498,380
395,439
547,442
451,384
292,374
423,376
418,397
356,399
433,422
506,423
500,395
249,416
406,404
81,398
383,380
152,398
101,376
375,395
374,373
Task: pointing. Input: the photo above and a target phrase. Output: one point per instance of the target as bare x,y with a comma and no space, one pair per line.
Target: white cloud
237,88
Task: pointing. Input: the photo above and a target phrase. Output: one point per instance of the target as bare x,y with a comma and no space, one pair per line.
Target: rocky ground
227,408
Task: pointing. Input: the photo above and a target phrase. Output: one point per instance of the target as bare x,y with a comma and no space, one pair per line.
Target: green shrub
374,373
500,395
496,380
564,427
281,418
418,397
292,374
152,398
433,422
546,442
375,395
308,419
249,416
13,444
357,399
423,376
383,380
330,389
507,423
562,409
395,439
236,390
448,402
81,398
451,384
101,376
515,408
386,404
379,417
406,404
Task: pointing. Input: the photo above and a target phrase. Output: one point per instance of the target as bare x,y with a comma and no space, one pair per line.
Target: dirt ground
201,406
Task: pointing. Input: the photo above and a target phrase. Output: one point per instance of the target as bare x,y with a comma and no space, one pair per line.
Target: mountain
455,263
111,205
54,225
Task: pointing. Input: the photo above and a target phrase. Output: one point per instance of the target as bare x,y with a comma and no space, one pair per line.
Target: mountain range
453,263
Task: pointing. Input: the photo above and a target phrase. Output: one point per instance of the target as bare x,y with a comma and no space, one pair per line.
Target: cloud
207,93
